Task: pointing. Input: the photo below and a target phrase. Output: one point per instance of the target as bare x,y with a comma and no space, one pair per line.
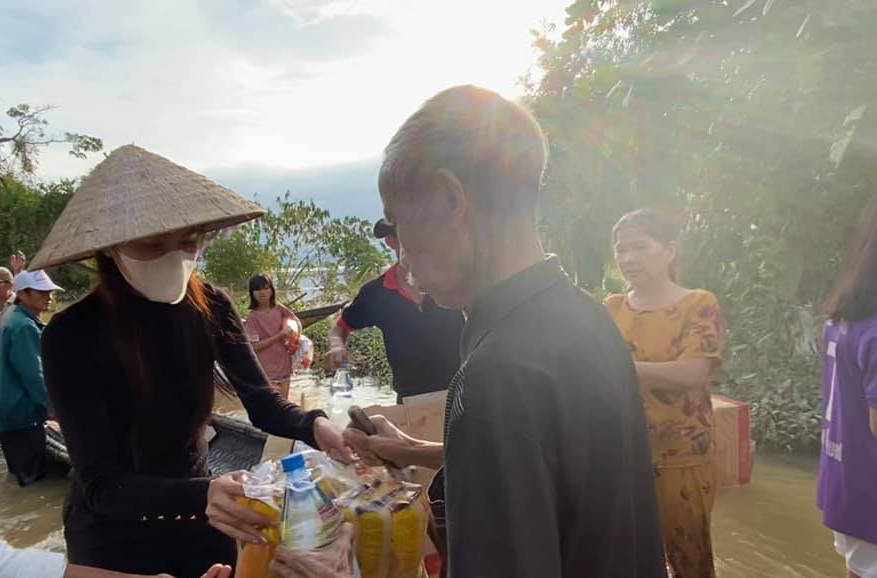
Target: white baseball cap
34,280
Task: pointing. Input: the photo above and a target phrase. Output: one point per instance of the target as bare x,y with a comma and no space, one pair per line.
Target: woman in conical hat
131,370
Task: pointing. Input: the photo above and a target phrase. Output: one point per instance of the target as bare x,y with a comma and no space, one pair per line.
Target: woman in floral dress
676,336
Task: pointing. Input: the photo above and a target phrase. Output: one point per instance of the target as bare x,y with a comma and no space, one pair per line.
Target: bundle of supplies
313,495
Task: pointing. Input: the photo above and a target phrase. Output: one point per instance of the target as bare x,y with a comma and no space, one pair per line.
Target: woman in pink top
274,332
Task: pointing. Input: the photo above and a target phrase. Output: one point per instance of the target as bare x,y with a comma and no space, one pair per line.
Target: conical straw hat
134,194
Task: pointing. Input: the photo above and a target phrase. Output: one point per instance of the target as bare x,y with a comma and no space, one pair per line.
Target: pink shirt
275,359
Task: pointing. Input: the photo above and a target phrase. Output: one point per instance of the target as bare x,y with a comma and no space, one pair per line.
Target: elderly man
547,464
24,401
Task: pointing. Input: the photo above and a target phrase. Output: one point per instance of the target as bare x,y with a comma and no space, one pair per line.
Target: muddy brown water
768,529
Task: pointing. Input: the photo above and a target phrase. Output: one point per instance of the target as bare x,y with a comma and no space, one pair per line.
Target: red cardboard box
734,449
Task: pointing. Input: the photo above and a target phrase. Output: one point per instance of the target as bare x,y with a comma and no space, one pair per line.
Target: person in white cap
24,402
132,370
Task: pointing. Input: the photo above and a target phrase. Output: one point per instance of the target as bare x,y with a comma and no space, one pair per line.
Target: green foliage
306,250
21,143
27,214
367,354
237,256
749,120
369,357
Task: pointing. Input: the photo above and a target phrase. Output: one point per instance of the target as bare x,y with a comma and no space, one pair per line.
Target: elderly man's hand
331,562
389,444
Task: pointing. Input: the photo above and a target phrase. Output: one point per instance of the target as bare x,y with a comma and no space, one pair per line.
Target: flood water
768,529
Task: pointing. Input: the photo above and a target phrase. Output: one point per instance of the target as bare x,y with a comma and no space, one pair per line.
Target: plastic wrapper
264,489
310,518
389,515
304,356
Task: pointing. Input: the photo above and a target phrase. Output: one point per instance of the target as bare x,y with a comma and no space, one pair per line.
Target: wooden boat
310,316
233,444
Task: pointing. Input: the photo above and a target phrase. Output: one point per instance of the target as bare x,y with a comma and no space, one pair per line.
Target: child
274,331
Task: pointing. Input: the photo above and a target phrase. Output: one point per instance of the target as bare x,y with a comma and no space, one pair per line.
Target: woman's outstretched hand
228,516
330,439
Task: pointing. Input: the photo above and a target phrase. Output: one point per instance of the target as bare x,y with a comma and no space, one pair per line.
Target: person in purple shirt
847,485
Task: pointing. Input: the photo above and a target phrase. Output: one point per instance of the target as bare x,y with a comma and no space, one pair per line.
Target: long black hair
854,296
258,282
147,348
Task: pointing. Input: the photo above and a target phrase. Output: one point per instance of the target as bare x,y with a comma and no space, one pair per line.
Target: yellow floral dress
681,429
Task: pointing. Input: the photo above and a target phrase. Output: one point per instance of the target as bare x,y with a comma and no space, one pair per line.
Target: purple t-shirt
847,486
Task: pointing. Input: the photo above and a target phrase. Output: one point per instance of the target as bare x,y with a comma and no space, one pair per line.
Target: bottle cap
293,462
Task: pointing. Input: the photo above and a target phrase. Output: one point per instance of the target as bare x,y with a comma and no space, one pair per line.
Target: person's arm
30,563
700,352
76,571
290,314
337,341
25,358
497,466
390,444
358,315
263,344
867,361
17,262
109,489
36,563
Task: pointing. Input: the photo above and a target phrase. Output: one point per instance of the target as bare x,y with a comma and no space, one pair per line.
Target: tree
27,214
236,256
20,145
750,119
305,249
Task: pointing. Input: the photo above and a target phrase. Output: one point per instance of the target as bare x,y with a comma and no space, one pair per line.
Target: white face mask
163,280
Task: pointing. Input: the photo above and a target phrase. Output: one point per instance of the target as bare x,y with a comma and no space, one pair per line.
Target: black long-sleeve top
126,512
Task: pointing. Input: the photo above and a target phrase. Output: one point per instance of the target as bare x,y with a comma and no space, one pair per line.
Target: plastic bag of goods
304,356
264,489
389,514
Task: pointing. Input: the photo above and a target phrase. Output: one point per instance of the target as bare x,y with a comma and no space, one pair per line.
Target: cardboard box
421,417
734,449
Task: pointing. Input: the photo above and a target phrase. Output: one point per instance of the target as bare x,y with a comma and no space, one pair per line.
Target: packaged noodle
263,492
390,518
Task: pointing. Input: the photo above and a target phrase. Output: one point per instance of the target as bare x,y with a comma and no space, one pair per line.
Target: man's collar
499,301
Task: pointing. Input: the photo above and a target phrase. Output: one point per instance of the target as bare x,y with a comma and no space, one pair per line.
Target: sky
260,95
